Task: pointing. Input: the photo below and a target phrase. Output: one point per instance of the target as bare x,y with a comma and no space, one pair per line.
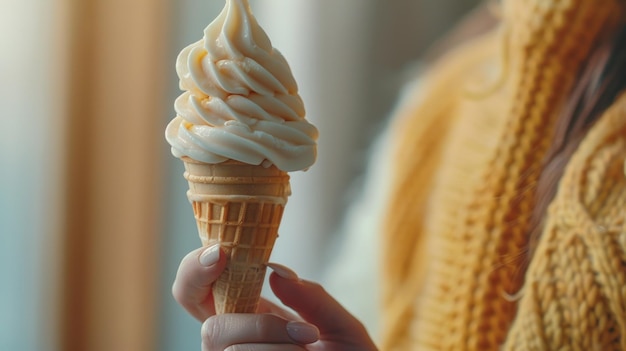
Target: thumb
316,306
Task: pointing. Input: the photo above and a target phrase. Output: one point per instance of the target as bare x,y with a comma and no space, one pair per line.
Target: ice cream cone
240,103
239,206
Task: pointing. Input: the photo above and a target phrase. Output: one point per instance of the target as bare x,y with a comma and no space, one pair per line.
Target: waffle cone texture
239,206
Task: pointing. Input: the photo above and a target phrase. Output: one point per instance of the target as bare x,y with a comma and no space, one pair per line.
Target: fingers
255,332
316,306
196,273
308,299
266,306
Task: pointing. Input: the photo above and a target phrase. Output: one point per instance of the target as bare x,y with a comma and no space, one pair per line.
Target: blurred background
93,214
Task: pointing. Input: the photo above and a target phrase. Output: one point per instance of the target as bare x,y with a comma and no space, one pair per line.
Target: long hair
598,85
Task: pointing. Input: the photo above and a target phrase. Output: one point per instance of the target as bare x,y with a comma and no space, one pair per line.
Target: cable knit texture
468,161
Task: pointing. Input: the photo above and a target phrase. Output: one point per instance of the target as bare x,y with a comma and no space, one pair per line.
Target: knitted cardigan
467,162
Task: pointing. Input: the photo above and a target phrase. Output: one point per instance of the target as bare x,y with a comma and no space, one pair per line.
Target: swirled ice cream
241,100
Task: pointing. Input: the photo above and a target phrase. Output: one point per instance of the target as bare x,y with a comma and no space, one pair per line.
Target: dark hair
600,81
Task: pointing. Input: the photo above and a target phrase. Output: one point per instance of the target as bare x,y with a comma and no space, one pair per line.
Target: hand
322,324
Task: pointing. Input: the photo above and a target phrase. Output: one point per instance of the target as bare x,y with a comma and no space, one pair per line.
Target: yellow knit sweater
467,162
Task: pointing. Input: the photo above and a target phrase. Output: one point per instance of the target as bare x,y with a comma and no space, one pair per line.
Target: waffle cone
239,206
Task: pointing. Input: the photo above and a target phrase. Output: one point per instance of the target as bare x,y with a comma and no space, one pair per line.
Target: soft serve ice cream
241,101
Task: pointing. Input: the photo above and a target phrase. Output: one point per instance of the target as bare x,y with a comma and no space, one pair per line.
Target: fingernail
283,271
210,256
303,333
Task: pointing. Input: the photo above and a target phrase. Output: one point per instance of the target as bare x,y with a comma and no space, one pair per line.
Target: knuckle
180,295
176,292
264,324
182,279
211,332
317,289
317,306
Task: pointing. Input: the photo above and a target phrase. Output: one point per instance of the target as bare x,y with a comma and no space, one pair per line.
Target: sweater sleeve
574,296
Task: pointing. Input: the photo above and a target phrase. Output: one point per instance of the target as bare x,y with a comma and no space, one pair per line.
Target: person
506,224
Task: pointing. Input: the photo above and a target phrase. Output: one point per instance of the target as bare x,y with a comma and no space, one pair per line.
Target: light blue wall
28,174
20,246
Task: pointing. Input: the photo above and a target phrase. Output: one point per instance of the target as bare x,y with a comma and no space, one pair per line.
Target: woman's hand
322,324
